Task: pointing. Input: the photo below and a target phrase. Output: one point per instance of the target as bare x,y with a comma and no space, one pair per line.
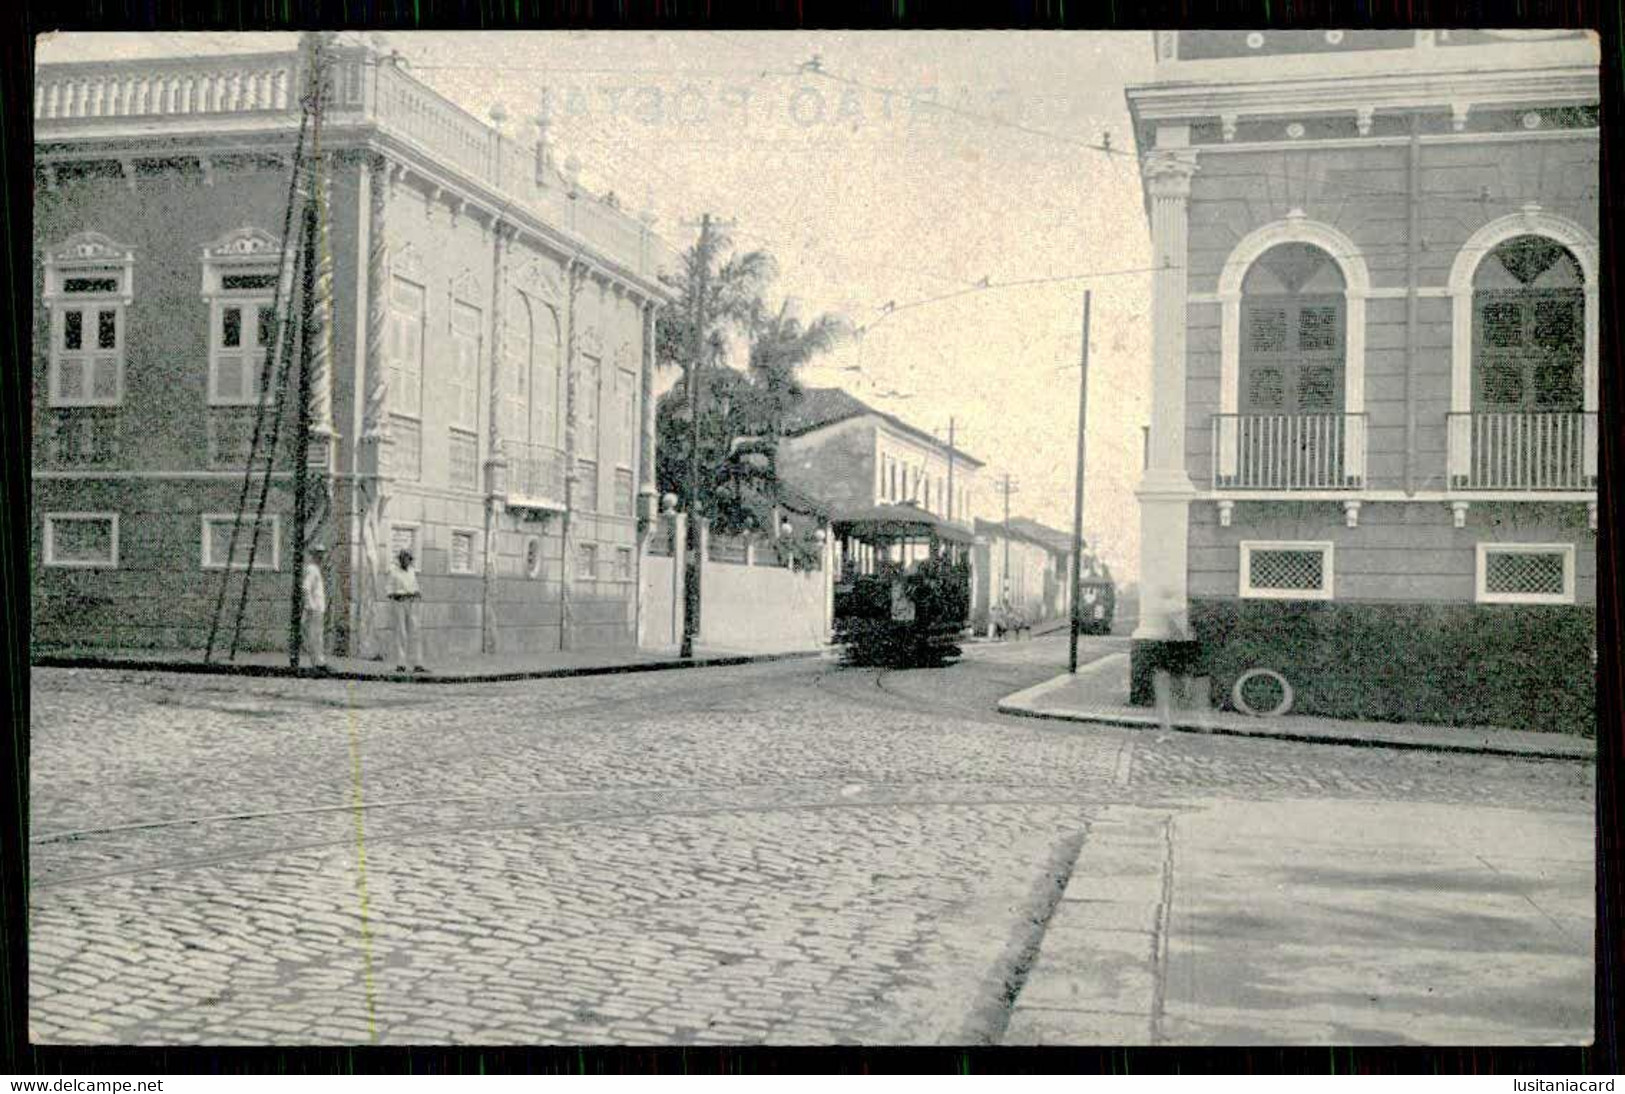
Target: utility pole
1007,487
950,469
307,348
691,587
1077,496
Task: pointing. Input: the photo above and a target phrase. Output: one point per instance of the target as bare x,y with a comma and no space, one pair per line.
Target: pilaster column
496,464
1165,489
372,483
575,273
647,500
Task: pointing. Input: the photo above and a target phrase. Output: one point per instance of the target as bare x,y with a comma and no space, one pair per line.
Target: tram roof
899,519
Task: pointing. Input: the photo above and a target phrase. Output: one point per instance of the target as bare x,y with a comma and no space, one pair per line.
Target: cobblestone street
784,853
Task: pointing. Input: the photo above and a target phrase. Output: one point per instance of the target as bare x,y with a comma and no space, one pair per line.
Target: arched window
1292,360
1528,328
1292,318
518,348
1292,398
546,414
1524,357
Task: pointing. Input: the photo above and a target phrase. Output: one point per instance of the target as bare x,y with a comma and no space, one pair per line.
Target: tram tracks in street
833,794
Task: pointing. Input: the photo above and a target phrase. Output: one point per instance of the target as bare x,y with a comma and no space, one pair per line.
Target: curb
1020,704
283,671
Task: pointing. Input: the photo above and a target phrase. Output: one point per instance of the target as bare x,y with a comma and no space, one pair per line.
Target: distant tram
1097,601
903,592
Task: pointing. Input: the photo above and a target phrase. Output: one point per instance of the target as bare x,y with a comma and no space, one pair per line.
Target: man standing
404,591
314,589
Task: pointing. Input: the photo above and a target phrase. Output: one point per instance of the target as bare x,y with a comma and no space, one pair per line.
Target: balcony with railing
535,476
1519,451
1286,453
261,91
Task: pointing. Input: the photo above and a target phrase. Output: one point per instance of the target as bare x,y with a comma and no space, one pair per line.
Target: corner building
486,402
1372,460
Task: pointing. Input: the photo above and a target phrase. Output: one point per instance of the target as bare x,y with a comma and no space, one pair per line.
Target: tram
902,596
1097,600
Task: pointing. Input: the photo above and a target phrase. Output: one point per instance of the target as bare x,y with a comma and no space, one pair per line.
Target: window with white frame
240,275
1289,570
229,542
623,564
88,283
463,445
626,405
587,393
81,540
465,367
462,555
1525,573
587,561
405,348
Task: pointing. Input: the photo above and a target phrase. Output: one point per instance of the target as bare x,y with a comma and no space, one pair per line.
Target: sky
888,173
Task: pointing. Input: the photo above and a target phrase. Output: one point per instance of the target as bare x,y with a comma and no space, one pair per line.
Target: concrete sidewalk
1319,923
1098,694
450,670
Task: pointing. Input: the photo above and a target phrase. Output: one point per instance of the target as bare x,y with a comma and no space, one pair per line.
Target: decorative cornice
1188,100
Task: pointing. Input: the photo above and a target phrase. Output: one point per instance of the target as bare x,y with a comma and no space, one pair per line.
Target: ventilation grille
1523,573
1294,570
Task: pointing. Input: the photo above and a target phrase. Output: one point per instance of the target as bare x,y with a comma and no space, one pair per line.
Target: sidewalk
448,670
1099,694
1319,923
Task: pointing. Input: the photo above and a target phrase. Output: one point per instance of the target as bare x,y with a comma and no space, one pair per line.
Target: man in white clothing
314,590
404,592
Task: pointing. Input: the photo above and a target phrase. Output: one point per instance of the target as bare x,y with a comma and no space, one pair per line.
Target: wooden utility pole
308,333
1077,496
691,587
1007,487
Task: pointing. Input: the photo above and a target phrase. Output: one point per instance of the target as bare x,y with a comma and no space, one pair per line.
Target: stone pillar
496,464
371,626
679,577
646,500
702,558
1162,638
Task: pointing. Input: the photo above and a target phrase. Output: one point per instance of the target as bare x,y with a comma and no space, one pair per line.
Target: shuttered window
404,347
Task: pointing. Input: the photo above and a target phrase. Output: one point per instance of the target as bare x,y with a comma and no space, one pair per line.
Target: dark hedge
1511,665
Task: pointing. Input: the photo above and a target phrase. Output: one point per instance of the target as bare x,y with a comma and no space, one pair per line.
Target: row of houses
485,397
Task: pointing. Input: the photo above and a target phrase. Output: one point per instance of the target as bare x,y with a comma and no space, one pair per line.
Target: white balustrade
1523,450
1288,451
262,83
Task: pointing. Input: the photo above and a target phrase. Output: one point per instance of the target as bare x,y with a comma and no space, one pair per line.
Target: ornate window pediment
245,244
89,255
539,280
89,247
468,286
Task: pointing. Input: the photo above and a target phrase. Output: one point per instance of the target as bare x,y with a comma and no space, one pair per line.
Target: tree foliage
741,410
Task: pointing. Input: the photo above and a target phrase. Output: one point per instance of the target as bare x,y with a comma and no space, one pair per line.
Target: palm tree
779,346
733,290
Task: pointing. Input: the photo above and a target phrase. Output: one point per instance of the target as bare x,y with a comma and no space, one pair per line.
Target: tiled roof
825,406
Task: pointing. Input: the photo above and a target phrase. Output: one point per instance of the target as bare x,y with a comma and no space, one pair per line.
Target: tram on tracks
902,596
1097,601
